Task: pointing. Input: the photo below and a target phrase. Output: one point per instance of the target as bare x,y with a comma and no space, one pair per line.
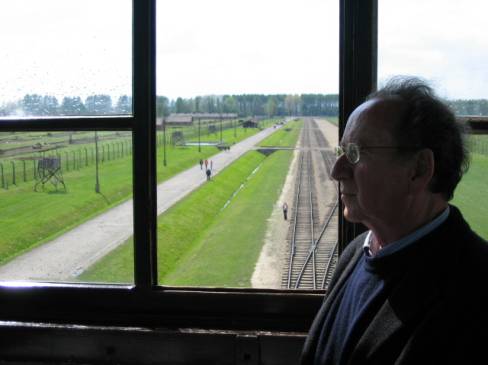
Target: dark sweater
431,308
338,333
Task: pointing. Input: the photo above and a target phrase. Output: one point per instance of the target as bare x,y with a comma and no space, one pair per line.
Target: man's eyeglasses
352,151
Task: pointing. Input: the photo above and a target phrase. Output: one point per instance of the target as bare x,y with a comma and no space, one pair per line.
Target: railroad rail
312,253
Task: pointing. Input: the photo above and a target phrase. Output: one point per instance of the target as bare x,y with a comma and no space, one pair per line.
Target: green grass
198,244
28,218
333,120
229,136
478,144
471,195
221,256
286,136
196,234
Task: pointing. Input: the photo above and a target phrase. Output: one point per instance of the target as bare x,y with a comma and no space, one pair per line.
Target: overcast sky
71,48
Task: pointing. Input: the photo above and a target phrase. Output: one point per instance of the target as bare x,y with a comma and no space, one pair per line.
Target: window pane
236,80
65,57
451,52
63,209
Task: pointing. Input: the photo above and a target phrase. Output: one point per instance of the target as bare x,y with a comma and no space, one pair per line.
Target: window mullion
144,132
357,75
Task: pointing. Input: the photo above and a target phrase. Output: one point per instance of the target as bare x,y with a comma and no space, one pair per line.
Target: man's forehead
373,121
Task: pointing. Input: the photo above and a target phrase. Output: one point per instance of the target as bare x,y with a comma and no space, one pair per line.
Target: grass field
479,144
286,136
31,218
333,120
197,240
28,218
471,195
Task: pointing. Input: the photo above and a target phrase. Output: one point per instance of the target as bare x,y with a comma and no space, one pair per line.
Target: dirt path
269,267
64,258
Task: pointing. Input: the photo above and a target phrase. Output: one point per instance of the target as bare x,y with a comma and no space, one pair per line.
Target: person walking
209,173
211,165
201,164
206,164
285,211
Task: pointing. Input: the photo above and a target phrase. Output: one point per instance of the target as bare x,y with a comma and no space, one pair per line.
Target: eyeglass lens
351,151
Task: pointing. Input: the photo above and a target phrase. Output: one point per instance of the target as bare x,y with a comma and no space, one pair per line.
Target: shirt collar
408,239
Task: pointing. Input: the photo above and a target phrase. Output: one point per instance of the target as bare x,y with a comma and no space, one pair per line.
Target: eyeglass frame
343,150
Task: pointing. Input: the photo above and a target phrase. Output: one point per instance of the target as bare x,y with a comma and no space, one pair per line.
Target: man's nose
341,168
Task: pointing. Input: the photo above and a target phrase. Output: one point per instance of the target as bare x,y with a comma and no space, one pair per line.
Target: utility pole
97,182
220,117
199,147
164,142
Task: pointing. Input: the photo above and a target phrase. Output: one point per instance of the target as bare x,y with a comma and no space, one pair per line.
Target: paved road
70,254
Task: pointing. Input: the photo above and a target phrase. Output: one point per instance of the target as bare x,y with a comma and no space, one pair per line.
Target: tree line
244,105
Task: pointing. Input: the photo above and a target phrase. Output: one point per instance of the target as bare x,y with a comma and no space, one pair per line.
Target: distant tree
292,104
181,106
230,104
162,106
100,104
12,109
72,106
270,107
198,102
50,105
208,104
124,105
32,104
483,108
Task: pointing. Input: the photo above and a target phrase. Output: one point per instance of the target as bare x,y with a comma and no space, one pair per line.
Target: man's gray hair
429,123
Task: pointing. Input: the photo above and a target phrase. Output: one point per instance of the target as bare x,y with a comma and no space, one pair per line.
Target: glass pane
238,83
450,52
66,203
65,57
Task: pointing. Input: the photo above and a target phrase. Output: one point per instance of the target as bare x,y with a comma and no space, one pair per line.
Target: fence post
67,161
74,159
13,173
86,156
25,175
3,177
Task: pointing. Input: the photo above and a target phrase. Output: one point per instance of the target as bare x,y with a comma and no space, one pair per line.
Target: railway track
312,238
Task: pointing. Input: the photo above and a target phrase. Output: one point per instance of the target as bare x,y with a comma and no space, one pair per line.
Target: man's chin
350,215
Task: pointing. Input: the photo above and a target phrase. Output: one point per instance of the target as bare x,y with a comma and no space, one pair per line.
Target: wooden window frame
146,303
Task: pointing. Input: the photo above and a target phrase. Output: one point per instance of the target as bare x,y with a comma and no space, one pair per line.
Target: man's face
375,190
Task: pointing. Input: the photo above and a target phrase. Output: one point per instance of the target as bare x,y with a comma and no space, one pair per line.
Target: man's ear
422,169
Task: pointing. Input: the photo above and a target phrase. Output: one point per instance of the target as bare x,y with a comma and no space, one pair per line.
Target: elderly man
412,289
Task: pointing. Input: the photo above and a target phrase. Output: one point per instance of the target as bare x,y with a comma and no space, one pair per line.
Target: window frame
146,303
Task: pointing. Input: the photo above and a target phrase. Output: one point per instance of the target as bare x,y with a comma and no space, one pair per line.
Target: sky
215,47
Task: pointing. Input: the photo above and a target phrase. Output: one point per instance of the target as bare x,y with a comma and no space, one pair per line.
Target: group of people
411,289
208,167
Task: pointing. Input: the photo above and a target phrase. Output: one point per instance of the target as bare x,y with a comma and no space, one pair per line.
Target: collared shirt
407,240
